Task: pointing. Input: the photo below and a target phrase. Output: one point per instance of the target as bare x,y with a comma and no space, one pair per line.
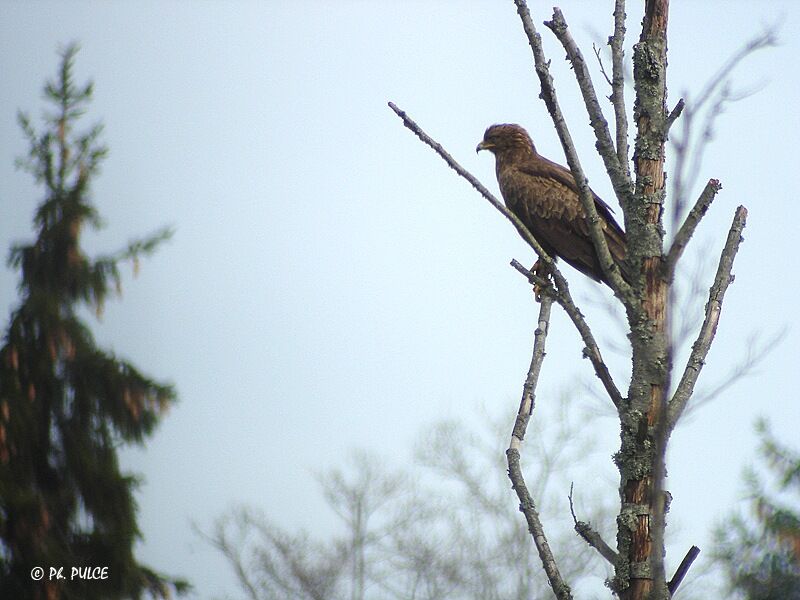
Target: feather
544,196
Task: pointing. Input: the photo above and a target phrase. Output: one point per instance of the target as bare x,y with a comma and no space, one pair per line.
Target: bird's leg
540,269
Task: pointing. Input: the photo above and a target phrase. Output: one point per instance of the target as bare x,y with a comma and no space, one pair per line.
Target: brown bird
545,197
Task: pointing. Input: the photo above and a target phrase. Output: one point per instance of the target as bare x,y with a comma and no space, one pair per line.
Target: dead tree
647,413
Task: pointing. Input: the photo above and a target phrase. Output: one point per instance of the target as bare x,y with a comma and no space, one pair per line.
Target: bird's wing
551,209
544,195
566,238
571,206
543,167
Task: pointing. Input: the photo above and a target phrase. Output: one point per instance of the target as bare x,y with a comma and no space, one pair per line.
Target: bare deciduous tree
445,533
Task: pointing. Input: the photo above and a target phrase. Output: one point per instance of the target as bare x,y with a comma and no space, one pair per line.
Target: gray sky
332,284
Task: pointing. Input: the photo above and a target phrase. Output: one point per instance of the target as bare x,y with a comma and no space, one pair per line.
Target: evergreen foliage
762,559
65,404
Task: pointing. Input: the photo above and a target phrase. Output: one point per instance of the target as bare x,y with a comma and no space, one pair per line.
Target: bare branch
596,51
716,90
755,353
686,231
527,505
683,568
766,39
591,537
437,147
610,269
618,84
708,330
533,278
231,550
592,350
673,115
605,146
528,401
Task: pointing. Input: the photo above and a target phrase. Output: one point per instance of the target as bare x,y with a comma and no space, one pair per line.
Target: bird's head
500,139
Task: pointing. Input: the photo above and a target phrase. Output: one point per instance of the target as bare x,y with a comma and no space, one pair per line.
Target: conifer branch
69,404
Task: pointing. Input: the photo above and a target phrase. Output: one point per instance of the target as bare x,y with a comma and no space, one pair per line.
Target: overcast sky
331,283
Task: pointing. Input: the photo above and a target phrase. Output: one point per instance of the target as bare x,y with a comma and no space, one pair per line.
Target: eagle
544,196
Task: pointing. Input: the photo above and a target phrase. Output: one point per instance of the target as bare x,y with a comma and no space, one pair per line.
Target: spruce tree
762,557
66,405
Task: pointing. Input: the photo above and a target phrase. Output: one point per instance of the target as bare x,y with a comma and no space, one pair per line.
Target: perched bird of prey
545,197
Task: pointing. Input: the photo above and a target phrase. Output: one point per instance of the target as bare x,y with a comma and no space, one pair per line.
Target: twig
717,89
687,156
673,115
708,329
605,146
765,39
437,147
689,225
689,160
755,353
596,51
592,350
610,269
528,402
533,278
683,568
618,84
590,535
526,503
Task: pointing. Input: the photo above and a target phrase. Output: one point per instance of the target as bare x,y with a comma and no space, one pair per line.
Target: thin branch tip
589,535
705,337
673,115
682,569
689,225
596,50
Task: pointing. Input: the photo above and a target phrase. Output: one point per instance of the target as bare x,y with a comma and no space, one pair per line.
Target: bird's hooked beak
484,145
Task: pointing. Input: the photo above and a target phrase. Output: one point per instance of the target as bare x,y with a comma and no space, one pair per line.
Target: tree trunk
640,540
